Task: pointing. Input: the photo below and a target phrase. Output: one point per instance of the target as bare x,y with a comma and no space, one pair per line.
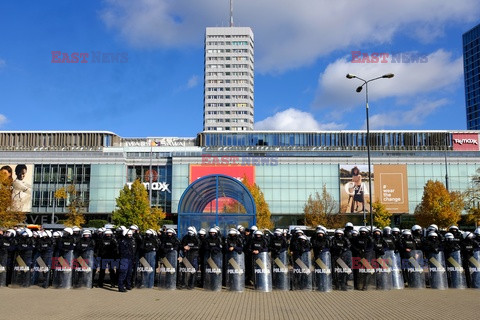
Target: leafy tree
76,205
322,209
133,207
263,211
439,206
381,216
8,216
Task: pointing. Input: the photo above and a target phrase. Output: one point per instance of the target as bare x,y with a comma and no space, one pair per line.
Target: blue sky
303,49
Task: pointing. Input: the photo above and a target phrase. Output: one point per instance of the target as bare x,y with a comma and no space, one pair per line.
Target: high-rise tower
228,102
471,70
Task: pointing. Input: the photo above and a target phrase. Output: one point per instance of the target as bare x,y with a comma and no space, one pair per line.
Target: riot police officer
127,248
190,247
108,253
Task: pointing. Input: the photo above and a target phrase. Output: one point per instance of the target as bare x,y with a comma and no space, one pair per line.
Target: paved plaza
37,303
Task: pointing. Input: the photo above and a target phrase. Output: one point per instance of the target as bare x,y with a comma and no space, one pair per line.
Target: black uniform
127,248
108,253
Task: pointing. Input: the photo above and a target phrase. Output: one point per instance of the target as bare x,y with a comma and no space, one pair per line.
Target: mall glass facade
287,166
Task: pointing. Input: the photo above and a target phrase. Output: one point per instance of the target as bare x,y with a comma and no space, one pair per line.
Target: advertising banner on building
354,190
234,171
20,176
465,141
237,171
391,187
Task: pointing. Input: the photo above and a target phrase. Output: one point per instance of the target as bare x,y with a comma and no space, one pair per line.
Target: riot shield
394,262
383,271
188,270
455,271
3,268
167,278
437,271
302,272
414,265
21,269
145,270
83,270
343,275
474,269
280,275
41,269
323,272
213,271
235,277
263,272
62,270
366,272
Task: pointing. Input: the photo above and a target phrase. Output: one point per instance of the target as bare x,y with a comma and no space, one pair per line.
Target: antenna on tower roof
231,13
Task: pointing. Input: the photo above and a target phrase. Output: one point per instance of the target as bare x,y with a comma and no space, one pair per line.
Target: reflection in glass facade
49,178
161,179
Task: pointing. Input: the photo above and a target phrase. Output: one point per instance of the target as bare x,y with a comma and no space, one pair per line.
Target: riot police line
349,259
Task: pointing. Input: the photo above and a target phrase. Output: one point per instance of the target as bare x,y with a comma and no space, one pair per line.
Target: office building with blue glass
471,65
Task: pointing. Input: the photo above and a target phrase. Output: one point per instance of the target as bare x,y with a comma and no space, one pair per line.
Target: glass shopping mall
287,166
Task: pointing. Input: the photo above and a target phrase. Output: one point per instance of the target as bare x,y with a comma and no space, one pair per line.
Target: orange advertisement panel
234,171
392,187
237,172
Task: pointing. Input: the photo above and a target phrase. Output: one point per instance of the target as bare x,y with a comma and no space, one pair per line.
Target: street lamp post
359,89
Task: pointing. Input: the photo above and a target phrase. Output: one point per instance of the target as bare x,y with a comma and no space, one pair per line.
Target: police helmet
68,230
302,237
453,228
348,224
254,228
416,228
467,235
213,230
432,234
339,231
449,236
477,231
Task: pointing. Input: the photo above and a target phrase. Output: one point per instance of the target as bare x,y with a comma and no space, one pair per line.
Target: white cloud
413,117
3,120
192,82
288,34
439,73
295,120
2,63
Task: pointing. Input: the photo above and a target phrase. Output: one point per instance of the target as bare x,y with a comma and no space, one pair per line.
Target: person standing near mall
341,260
107,252
127,248
189,251
260,262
